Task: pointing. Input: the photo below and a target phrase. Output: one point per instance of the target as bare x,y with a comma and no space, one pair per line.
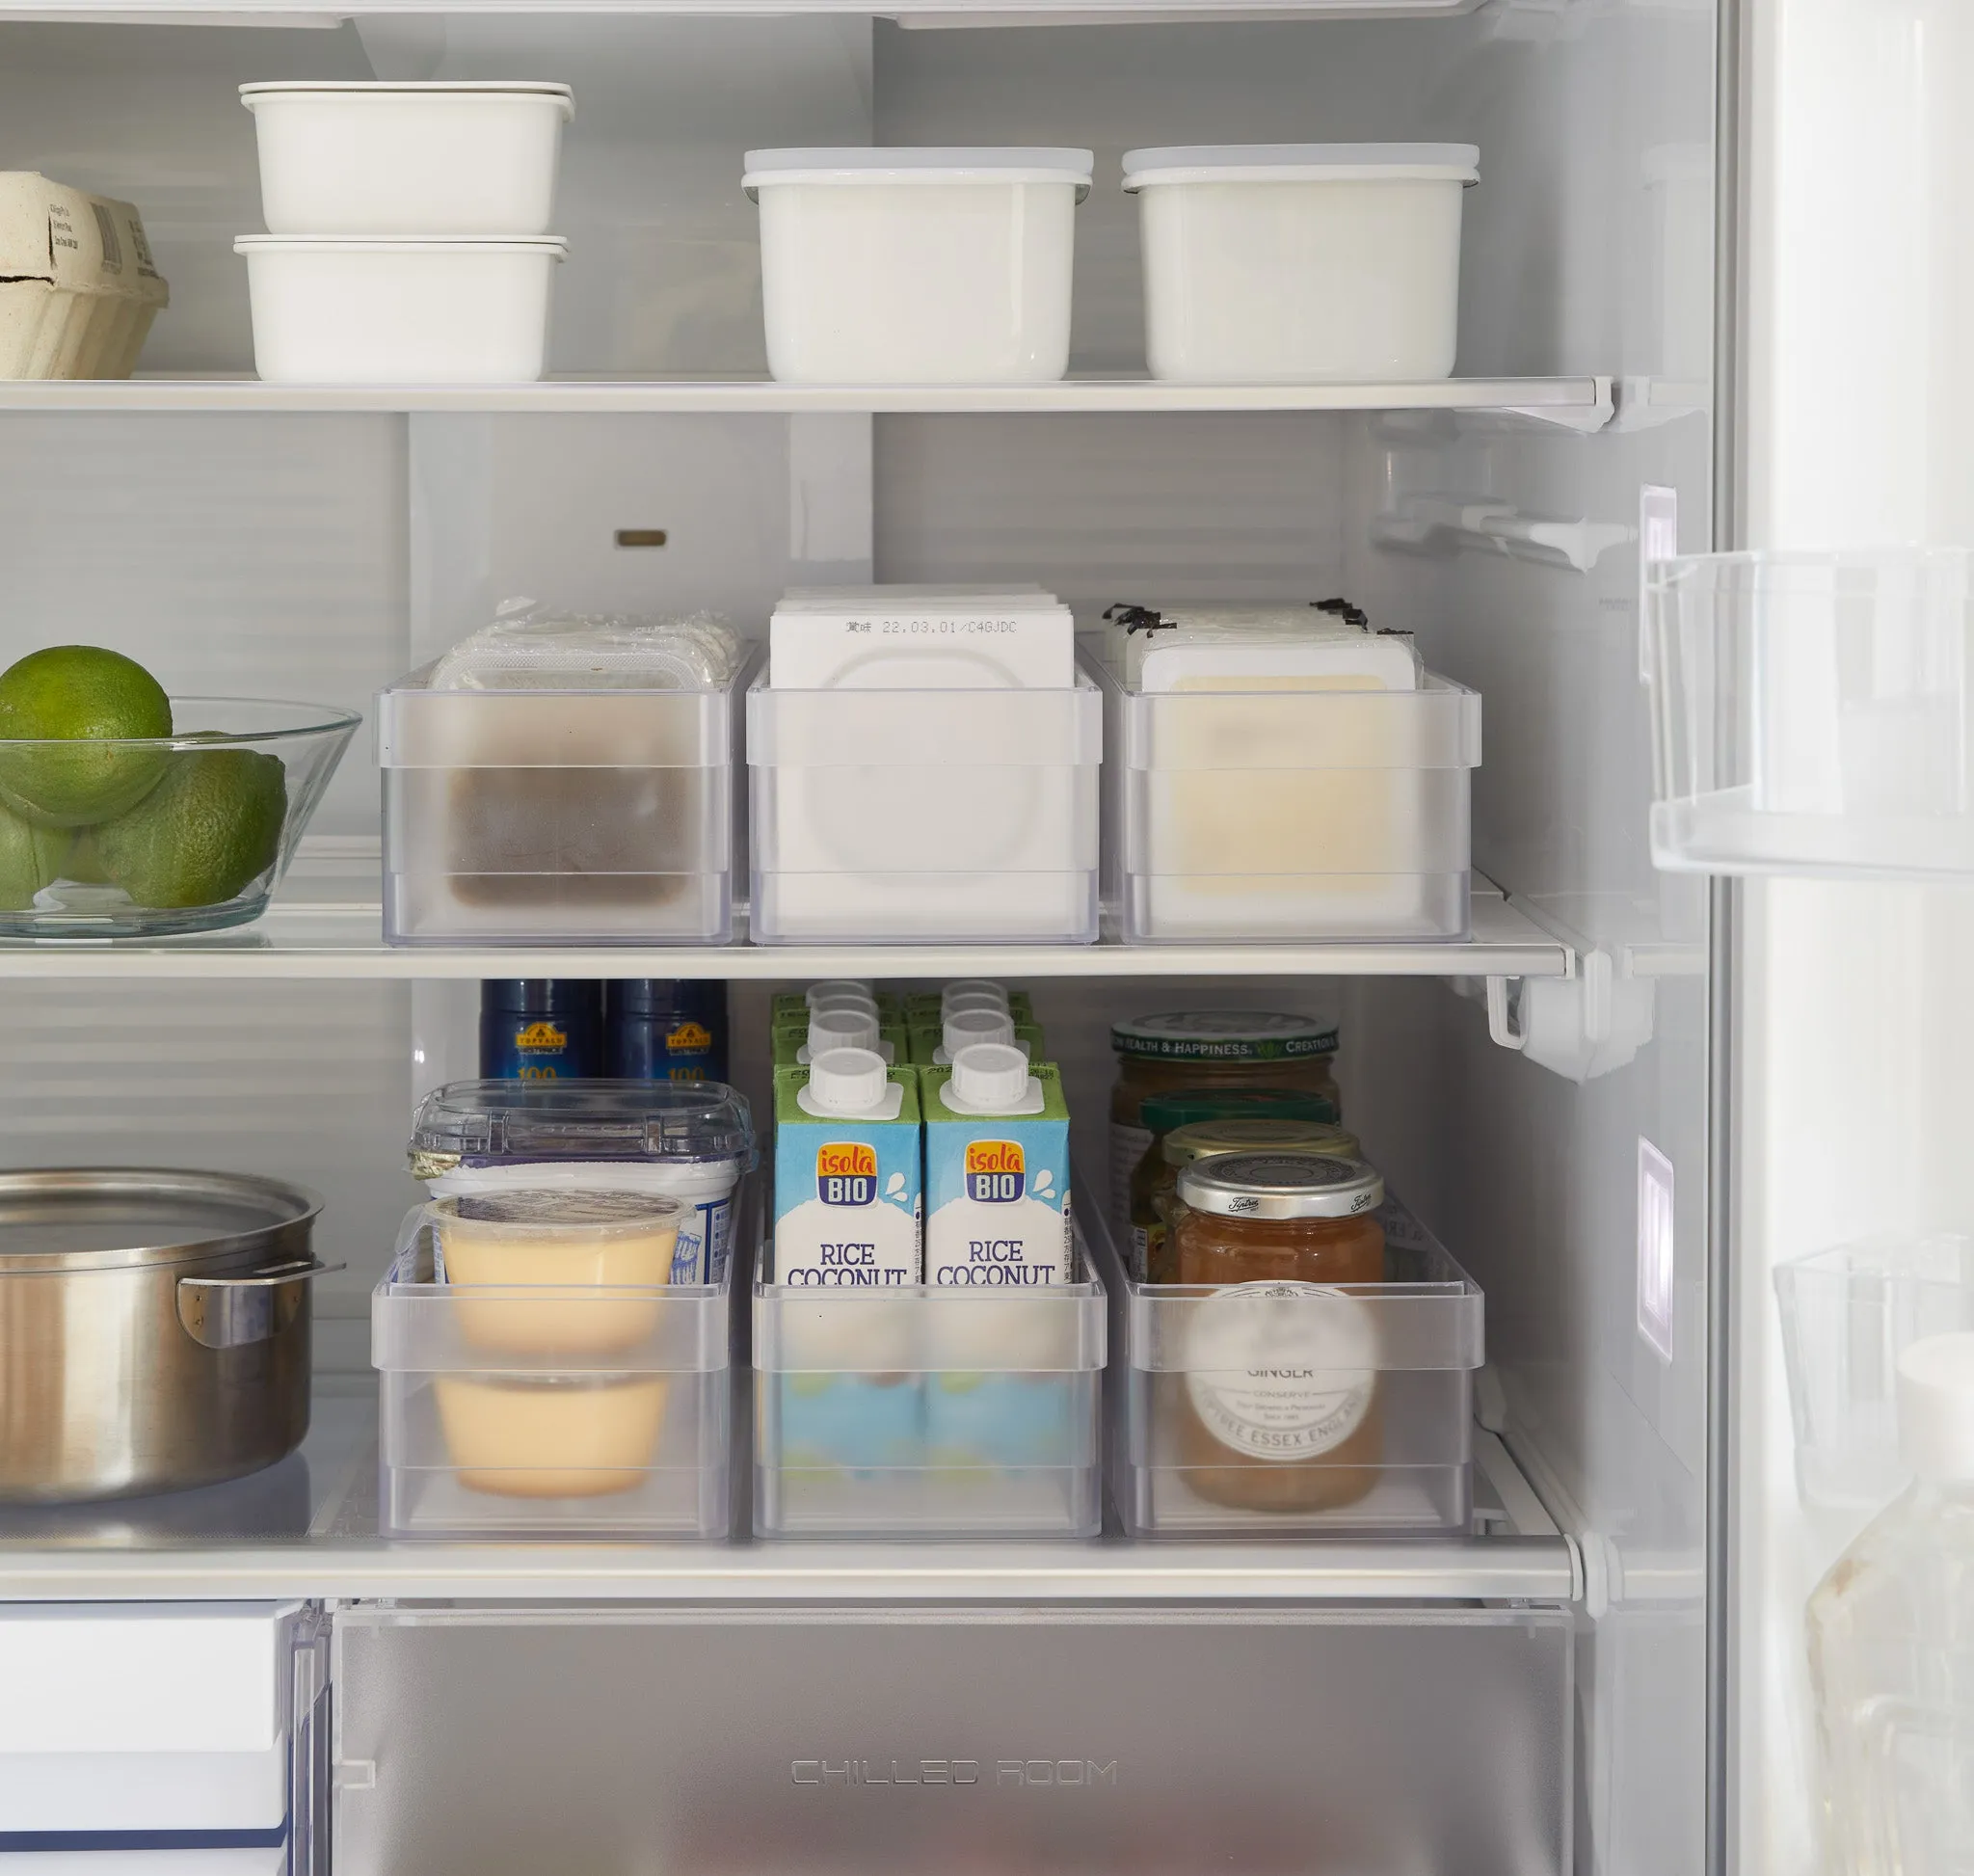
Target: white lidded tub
424,159
399,312
1301,263
916,266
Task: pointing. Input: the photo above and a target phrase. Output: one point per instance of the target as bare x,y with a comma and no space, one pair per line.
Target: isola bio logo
996,1170
846,1173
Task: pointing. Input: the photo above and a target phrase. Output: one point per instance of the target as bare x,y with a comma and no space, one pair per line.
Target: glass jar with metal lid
1160,1113
1279,1408
1209,1049
1255,1132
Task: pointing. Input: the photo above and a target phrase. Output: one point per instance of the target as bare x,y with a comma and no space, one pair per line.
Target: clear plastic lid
529,1213
516,1123
532,647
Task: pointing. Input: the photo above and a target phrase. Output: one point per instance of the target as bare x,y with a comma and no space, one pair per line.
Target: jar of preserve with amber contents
1278,1411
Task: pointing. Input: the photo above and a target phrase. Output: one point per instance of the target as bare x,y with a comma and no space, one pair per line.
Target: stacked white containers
408,235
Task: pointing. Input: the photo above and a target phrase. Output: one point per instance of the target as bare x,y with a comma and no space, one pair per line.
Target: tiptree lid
1254,1134
1280,1186
1224,1035
511,1123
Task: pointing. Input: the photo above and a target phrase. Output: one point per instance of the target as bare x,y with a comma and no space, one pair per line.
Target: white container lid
362,88
1303,163
868,164
409,244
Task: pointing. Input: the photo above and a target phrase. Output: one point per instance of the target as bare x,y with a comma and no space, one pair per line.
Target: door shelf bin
948,817
928,1412
522,817
1276,817
1848,1314
1413,1344
538,1412
1814,713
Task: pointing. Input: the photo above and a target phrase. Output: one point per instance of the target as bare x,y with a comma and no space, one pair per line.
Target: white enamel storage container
383,312
1301,263
1259,816
916,266
128,1727
444,159
923,815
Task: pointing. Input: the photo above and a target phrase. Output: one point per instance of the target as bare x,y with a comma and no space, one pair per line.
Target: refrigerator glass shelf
1577,403
308,1527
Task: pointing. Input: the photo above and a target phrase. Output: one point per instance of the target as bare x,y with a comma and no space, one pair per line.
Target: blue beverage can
665,1029
540,1028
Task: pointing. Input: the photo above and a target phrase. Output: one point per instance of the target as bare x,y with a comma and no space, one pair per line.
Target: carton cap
841,1025
989,1078
974,992
830,988
848,1081
965,1028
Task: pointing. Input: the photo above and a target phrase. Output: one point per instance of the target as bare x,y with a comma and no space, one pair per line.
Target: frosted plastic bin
1287,816
522,817
924,816
916,266
382,311
928,1412
1301,263
1848,1314
430,159
618,1430
128,1725
1428,1325
1814,712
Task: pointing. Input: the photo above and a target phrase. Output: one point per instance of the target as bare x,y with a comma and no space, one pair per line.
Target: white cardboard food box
78,288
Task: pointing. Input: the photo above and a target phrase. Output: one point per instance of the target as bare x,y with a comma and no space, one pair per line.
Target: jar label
1281,1371
1128,1144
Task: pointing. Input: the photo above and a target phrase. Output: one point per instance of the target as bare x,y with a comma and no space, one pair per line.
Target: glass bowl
143,837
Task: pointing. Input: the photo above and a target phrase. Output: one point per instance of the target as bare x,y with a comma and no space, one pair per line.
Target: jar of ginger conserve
1279,1407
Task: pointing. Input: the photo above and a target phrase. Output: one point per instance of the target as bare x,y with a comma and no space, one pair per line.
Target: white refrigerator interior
1533,1696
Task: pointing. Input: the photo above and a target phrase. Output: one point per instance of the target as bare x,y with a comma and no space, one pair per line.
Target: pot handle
229,1312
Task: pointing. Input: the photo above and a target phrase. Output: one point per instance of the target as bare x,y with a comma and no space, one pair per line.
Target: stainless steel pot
154,1329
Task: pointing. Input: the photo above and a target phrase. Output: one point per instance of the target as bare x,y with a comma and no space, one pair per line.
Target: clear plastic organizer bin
924,816
1813,712
566,816
535,1412
1848,1314
1283,816
928,1412
1425,1324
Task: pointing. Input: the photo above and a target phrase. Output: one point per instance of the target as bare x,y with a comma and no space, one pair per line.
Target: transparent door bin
1290,816
1848,1314
924,816
564,817
1176,1424
1812,713
535,1412
928,1412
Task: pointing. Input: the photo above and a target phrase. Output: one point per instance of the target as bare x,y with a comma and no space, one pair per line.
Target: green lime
89,697
211,826
31,857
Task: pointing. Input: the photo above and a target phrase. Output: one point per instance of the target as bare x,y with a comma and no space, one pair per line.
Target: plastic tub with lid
377,311
1301,263
916,266
422,159
688,1140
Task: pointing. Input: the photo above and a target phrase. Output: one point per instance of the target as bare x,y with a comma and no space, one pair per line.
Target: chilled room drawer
505,1742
